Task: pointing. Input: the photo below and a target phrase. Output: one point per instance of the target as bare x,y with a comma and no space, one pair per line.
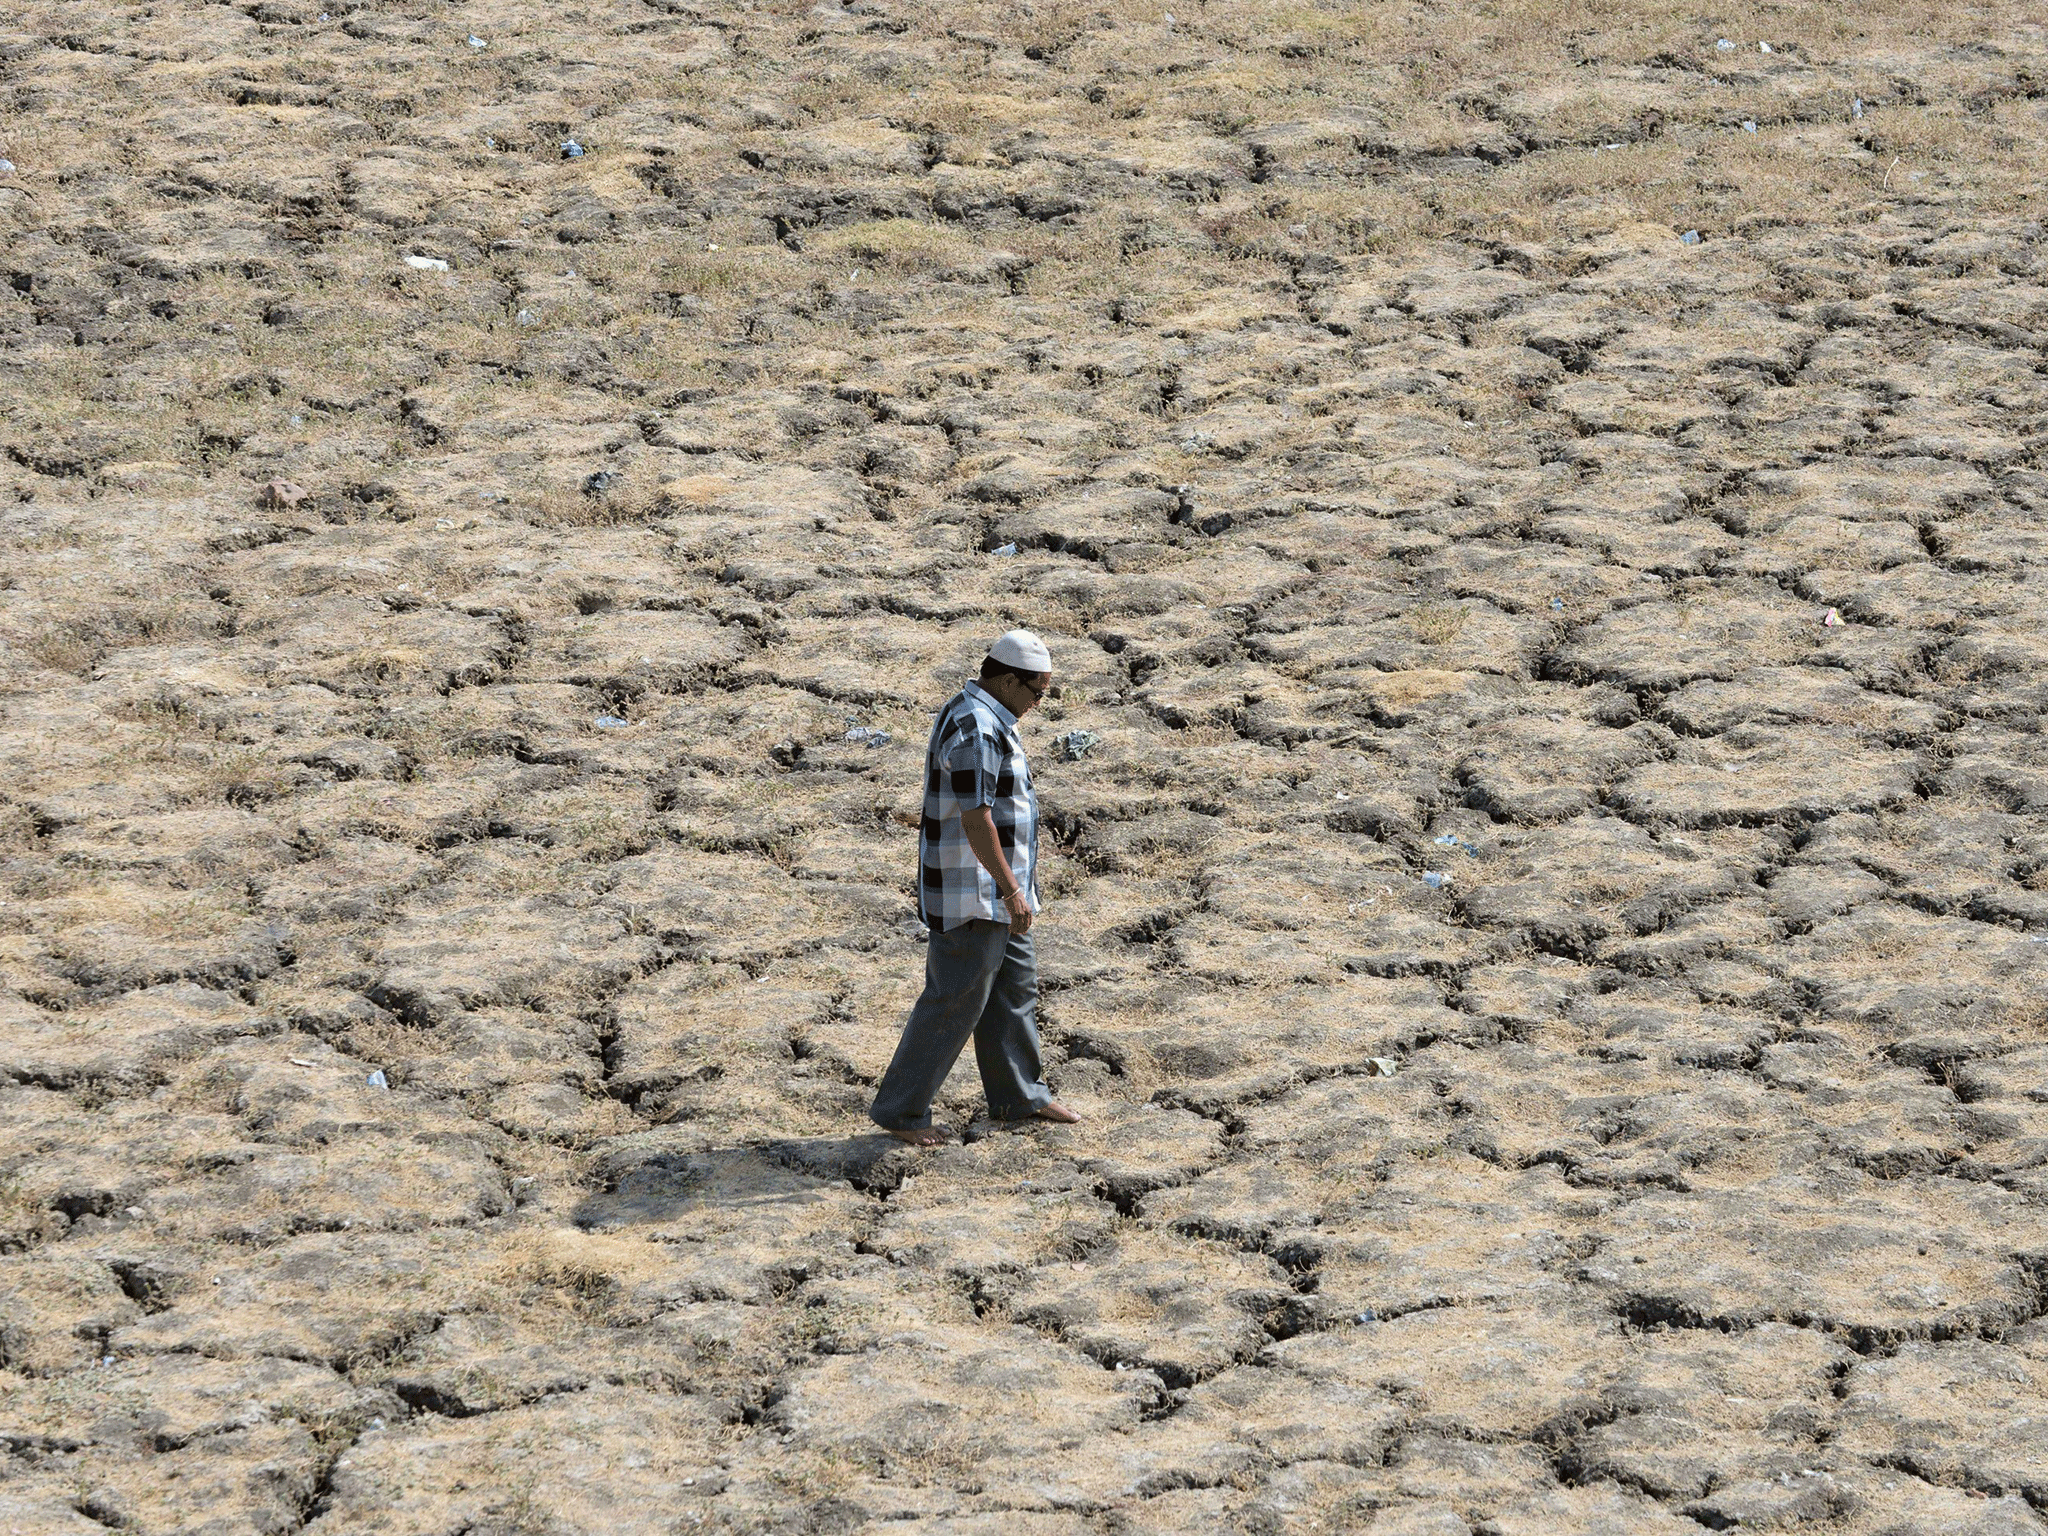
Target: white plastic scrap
1005,550
477,42
1763,47
1435,879
1383,1066
571,150
1749,125
1725,46
610,723
1690,237
377,1079
1856,108
6,165
426,263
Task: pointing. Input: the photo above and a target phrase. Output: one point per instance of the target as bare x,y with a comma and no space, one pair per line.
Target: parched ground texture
1596,672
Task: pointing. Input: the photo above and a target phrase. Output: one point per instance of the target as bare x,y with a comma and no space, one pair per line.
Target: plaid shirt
974,758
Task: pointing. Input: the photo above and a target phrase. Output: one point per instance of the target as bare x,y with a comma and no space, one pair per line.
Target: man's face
1020,695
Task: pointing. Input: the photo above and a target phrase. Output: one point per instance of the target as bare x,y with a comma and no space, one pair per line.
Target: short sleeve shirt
974,758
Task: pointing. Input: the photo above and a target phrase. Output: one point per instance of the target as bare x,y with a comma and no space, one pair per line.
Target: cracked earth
1540,509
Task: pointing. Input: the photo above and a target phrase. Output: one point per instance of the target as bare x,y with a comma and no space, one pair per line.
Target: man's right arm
979,823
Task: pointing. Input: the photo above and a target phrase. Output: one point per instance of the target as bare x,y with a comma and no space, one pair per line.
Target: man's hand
1020,912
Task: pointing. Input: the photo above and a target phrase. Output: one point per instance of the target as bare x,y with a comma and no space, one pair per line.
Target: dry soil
1541,508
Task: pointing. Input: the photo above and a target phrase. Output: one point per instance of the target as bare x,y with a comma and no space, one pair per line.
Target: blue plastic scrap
1076,745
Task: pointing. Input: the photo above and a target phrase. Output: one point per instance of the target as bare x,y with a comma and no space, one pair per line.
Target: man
977,892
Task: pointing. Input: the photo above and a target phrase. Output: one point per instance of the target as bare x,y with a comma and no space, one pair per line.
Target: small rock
1382,1066
283,495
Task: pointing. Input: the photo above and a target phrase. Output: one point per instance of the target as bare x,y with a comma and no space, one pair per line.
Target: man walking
977,892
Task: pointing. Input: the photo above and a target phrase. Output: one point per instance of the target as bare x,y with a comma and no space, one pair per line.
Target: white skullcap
1023,650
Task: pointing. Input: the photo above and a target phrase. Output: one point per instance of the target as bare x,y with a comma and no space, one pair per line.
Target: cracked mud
476,478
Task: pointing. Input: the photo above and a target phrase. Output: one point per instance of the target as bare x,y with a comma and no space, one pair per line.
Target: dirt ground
1540,514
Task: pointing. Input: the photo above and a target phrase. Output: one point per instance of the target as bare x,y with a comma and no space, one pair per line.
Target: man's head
1017,671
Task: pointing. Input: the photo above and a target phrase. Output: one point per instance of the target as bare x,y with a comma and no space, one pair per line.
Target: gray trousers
979,980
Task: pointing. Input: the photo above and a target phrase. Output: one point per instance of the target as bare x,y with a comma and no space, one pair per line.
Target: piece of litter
444,522
1169,18
1076,745
134,1210
1434,879
858,733
1763,47
477,42
1557,605
1725,46
1749,125
1831,620
1005,550
1343,797
377,1079
609,722
426,263
1368,1316
6,165
1856,108
526,317
1615,146
571,150
1383,1066
1690,237
295,1061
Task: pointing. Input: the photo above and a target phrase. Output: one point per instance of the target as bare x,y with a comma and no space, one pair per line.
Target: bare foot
928,1136
1056,1112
